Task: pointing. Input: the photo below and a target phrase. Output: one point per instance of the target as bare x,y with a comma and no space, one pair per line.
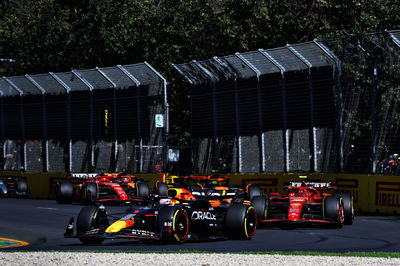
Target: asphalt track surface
42,224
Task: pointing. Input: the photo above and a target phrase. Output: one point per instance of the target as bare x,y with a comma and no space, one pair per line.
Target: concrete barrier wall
372,193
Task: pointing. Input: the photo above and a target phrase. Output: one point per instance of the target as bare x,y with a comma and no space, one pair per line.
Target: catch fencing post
313,130
261,145
339,100
284,108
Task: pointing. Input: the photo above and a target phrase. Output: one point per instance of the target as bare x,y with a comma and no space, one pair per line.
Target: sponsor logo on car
200,215
142,232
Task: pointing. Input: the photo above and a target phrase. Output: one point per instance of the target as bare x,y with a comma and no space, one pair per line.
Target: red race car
103,187
310,203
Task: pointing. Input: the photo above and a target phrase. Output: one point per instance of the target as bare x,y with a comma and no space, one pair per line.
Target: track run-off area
41,224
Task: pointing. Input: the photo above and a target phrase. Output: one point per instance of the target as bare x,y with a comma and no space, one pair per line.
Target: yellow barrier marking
11,243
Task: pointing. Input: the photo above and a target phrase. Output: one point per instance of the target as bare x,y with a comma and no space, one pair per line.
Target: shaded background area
84,120
320,106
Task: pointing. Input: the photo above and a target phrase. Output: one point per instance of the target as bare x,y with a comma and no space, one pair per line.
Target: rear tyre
260,204
253,191
89,218
240,222
348,205
162,189
173,223
64,192
90,192
22,186
334,210
142,190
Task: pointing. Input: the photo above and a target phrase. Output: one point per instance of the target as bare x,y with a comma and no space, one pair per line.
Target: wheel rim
250,222
341,212
99,221
265,210
181,225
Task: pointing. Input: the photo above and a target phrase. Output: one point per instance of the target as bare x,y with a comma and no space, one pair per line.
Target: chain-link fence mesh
370,67
323,106
85,120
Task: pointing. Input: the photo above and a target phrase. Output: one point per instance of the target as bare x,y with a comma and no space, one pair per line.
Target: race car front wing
125,233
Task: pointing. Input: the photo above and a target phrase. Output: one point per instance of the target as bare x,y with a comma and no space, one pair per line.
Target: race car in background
167,219
13,187
215,189
310,203
102,187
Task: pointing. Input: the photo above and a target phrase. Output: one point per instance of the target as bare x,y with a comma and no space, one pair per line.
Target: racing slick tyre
64,193
334,209
240,221
161,189
22,185
260,204
253,191
90,192
173,223
142,190
89,218
348,205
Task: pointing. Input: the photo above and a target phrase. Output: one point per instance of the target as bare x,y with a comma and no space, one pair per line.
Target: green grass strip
293,253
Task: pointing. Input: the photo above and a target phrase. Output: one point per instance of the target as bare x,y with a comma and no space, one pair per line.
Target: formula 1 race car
165,220
214,189
310,203
103,187
13,187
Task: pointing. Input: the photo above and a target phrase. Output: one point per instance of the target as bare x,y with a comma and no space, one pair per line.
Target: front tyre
253,191
260,204
142,190
161,189
173,223
334,209
348,206
64,192
90,190
90,218
240,222
22,186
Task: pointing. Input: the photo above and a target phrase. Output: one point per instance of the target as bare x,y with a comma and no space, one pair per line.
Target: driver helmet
165,201
104,179
302,191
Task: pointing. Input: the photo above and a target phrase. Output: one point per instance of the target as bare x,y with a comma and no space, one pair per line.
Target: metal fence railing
320,106
84,120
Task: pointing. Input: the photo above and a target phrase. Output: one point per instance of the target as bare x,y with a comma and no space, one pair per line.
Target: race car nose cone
116,227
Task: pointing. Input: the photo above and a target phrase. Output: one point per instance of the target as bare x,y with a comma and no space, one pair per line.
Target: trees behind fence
321,106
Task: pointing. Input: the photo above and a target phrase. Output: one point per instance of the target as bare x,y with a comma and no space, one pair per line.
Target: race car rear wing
206,177
315,184
82,175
